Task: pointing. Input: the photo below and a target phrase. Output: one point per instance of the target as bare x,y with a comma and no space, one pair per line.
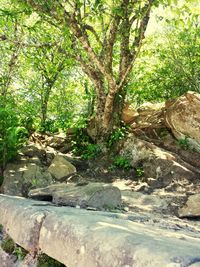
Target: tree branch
92,30
137,43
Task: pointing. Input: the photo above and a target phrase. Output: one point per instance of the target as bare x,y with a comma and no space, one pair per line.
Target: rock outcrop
148,115
33,150
182,116
19,178
191,207
129,114
162,166
57,140
96,195
80,238
61,168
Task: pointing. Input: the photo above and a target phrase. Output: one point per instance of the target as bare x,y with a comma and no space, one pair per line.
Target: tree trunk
43,115
45,100
106,119
44,106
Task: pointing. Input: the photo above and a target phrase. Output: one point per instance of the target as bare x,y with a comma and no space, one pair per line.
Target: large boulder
148,115
32,150
191,207
95,195
136,150
61,168
20,178
129,114
182,117
80,238
57,140
162,166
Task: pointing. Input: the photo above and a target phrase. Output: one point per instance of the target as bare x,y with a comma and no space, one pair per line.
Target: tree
106,37
49,63
11,36
173,58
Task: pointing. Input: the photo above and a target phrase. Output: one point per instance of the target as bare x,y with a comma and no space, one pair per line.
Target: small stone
141,187
91,208
126,209
151,181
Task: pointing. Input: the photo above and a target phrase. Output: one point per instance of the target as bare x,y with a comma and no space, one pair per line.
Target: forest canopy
67,64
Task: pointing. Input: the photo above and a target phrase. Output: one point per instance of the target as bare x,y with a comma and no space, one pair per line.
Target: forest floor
142,202
156,207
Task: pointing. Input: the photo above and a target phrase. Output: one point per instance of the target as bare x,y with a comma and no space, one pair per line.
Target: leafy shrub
28,123
184,143
49,126
117,135
8,245
87,150
139,171
122,162
173,69
83,146
91,151
20,252
12,136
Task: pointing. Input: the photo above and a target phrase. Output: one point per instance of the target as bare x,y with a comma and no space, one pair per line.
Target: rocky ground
161,188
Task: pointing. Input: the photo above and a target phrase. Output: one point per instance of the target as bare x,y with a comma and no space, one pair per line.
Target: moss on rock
8,245
46,261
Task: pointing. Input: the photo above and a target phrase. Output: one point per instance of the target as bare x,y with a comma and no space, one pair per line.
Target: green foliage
49,126
139,171
184,143
117,135
8,245
27,122
122,162
1,228
83,146
20,253
173,61
51,93
46,261
91,151
12,136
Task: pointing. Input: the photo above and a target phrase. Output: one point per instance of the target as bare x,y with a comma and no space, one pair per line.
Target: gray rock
25,159
95,195
182,117
143,202
191,208
6,260
33,150
157,163
19,178
57,140
80,238
61,168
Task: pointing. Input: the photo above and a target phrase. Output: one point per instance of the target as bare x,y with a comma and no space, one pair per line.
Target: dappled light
99,133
